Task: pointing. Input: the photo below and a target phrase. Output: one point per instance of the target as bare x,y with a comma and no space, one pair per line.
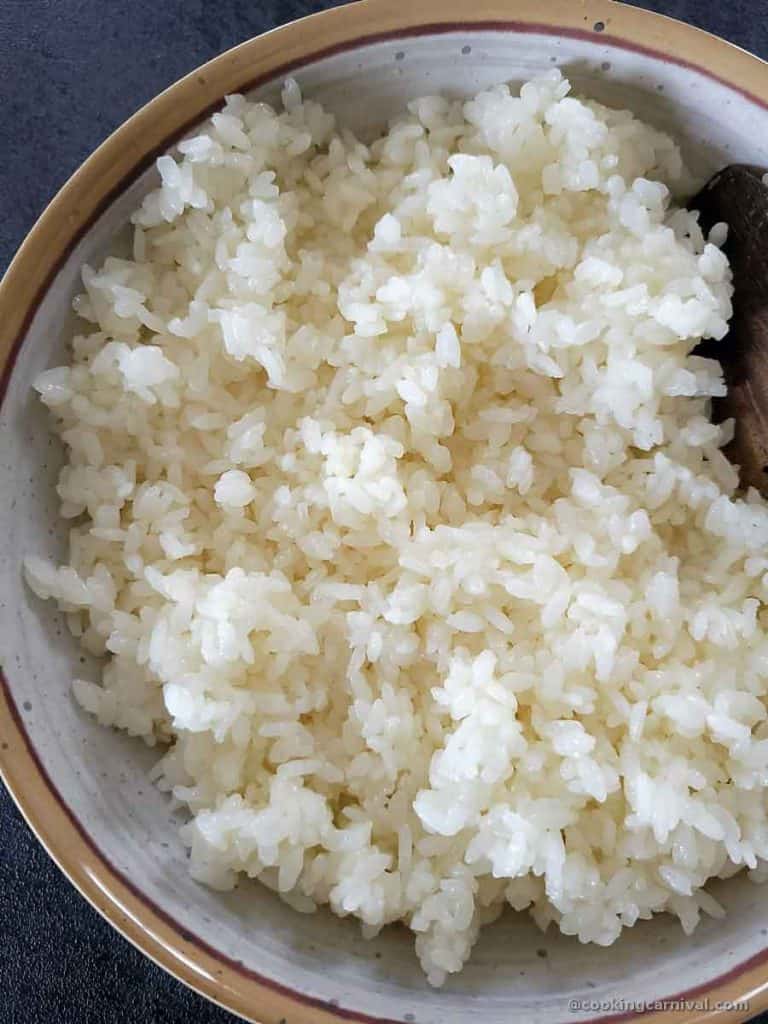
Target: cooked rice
398,513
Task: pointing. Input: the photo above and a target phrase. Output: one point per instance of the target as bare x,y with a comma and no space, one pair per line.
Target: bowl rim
105,174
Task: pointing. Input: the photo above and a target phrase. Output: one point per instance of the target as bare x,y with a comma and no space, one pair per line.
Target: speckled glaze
85,790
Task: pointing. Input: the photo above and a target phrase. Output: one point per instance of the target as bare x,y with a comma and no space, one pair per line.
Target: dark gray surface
70,72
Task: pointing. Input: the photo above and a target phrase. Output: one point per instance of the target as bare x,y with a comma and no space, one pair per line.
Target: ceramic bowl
85,790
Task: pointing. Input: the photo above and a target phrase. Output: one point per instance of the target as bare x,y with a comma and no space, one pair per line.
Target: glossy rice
399,517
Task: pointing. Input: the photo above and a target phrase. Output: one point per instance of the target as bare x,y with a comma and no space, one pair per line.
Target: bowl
86,792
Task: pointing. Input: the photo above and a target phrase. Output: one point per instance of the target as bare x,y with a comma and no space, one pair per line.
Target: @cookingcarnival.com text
618,1005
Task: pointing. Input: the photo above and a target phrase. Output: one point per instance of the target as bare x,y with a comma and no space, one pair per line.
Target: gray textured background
70,72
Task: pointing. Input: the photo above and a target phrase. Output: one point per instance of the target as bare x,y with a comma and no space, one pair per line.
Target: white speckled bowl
85,790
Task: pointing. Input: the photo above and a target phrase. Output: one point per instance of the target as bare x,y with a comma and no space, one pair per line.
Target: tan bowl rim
106,173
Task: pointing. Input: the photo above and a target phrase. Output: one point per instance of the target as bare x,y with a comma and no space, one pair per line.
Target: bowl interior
516,971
